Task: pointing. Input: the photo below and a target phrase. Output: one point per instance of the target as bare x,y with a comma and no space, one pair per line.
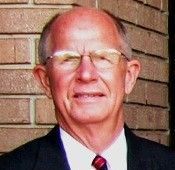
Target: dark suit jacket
47,153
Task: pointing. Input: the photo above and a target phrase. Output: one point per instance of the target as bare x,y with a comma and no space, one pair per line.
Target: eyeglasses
101,59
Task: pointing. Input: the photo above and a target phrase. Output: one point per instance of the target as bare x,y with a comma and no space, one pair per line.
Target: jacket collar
136,159
51,152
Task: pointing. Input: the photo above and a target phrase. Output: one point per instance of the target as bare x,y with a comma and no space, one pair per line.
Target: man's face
86,94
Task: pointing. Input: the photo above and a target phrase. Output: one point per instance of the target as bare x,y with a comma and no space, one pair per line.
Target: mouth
88,95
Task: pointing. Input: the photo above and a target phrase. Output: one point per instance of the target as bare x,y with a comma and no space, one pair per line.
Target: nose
86,71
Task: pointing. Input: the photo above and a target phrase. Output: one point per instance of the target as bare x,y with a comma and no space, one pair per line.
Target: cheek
61,85
115,80
58,83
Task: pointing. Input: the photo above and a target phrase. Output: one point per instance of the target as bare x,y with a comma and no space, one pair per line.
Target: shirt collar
116,154
80,157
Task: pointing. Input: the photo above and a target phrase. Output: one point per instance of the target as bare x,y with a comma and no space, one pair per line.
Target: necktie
99,163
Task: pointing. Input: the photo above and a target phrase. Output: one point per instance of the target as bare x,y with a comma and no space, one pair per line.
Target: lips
88,95
87,98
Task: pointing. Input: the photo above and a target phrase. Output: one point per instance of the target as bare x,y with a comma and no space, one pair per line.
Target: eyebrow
57,53
62,52
75,53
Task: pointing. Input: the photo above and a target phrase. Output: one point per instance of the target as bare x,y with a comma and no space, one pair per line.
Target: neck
97,136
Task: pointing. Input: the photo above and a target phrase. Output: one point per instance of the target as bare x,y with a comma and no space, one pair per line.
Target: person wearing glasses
86,67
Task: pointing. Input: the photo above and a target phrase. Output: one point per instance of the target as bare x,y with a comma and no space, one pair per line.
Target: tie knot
99,163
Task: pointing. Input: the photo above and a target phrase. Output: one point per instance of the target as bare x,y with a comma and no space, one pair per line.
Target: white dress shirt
80,157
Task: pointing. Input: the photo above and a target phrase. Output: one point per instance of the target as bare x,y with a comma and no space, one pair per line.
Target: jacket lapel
51,154
136,160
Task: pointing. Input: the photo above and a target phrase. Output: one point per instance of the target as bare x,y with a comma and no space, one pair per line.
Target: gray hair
44,40
125,46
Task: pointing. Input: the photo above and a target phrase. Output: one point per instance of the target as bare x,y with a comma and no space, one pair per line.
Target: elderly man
86,68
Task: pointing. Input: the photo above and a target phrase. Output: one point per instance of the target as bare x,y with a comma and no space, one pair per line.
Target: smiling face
85,95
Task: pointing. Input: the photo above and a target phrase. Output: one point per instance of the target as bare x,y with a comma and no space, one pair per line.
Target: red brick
45,111
14,137
18,82
15,51
25,20
128,10
90,3
157,136
138,95
146,117
147,41
14,1
157,45
137,13
153,68
124,9
157,94
14,110
144,1
164,5
152,18
150,92
110,5
154,3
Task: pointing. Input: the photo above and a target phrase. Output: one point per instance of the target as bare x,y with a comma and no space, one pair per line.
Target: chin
88,116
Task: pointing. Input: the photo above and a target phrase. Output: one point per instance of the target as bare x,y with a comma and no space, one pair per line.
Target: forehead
83,25
82,17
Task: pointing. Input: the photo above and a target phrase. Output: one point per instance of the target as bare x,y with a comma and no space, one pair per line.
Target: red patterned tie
99,163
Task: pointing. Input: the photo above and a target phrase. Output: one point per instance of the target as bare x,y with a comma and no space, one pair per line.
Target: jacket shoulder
148,152
154,148
23,156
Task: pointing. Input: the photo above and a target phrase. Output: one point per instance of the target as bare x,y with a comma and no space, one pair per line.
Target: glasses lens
68,61
105,59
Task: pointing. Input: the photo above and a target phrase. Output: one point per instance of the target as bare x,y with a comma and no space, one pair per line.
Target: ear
132,72
41,76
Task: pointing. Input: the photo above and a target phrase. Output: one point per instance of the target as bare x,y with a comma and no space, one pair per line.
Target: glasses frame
76,54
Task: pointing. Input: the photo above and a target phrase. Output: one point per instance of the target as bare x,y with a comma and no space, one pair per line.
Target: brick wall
26,113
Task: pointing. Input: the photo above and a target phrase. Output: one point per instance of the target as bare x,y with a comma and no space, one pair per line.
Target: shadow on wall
172,69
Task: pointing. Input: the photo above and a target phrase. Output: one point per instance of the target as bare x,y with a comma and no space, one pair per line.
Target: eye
101,61
104,59
69,60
